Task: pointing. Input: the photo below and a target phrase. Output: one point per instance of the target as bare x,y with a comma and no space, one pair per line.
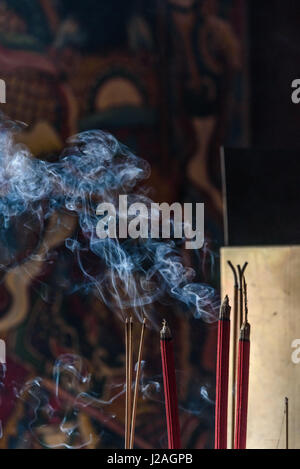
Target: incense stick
170,389
136,387
237,319
243,380
127,407
286,423
222,376
241,272
234,350
130,373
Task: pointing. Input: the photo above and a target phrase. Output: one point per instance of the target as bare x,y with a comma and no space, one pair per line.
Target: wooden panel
273,278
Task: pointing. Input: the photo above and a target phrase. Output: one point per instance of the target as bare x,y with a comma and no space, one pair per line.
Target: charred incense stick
241,272
137,382
170,389
287,422
234,350
243,380
238,321
222,376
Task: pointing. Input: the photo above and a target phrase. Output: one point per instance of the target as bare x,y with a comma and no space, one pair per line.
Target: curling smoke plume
54,410
95,167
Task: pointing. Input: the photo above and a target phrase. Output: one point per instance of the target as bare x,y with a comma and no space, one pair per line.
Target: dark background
274,64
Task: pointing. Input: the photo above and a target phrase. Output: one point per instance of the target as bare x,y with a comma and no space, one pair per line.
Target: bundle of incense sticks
170,388
222,376
240,365
131,406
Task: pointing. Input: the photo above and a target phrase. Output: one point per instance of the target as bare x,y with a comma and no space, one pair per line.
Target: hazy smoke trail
95,167
60,417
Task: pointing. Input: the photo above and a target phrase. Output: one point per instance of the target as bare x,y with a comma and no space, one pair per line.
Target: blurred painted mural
168,78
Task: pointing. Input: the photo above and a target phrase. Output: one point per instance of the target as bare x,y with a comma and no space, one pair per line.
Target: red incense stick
242,388
170,389
222,376
243,382
235,341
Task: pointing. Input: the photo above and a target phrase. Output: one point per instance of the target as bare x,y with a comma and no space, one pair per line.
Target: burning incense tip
225,309
165,332
245,332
